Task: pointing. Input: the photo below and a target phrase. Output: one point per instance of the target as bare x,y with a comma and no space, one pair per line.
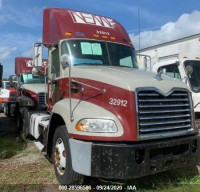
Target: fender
83,110
25,101
61,116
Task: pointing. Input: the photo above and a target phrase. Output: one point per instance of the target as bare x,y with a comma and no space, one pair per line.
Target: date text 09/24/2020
98,187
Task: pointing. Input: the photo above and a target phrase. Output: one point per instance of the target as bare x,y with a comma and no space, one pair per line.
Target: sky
157,21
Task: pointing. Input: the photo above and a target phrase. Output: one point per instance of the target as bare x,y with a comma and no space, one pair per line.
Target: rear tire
7,110
19,122
62,158
25,124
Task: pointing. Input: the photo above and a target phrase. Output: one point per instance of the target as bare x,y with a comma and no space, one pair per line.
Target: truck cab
104,117
8,96
186,70
31,90
179,59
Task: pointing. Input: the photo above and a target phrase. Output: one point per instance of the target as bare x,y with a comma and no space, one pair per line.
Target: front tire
62,158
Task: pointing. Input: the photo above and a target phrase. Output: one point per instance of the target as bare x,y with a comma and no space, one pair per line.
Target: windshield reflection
88,52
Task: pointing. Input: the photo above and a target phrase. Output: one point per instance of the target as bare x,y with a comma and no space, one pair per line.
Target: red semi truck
8,96
31,90
104,117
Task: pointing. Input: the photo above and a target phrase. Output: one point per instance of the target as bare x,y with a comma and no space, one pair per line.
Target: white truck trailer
179,59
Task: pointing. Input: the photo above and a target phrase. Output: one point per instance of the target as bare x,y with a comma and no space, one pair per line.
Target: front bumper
132,160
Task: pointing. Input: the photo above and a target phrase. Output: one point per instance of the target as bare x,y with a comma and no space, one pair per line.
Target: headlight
97,126
5,99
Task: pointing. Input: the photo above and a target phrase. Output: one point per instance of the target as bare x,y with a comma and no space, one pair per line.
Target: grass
27,177
35,173
185,179
11,144
22,166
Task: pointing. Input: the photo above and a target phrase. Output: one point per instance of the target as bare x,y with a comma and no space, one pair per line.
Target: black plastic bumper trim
126,161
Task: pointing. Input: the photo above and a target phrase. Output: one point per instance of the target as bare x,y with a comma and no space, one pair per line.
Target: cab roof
60,23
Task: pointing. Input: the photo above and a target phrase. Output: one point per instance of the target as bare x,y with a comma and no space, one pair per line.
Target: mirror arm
54,82
185,78
70,96
40,71
146,56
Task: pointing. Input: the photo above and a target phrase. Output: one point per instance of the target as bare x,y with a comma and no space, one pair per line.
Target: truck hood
36,88
126,78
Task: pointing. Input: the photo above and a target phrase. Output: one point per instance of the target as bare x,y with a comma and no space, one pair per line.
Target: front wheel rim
60,156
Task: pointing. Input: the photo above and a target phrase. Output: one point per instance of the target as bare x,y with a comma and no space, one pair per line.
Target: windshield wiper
79,64
124,66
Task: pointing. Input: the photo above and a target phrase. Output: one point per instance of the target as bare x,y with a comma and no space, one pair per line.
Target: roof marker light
130,43
104,37
113,38
197,57
95,35
68,33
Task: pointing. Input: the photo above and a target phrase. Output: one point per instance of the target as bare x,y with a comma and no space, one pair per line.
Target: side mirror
37,55
164,71
65,61
36,71
145,63
177,63
11,81
189,70
159,73
37,59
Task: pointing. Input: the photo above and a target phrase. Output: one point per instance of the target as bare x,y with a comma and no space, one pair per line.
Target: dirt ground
28,170
23,168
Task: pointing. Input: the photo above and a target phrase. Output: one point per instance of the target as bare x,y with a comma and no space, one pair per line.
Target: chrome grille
162,115
41,98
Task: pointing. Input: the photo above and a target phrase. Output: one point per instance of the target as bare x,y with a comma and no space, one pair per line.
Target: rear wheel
19,121
62,158
7,110
25,124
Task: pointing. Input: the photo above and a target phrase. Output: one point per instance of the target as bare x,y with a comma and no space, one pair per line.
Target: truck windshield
86,52
30,79
7,85
194,77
